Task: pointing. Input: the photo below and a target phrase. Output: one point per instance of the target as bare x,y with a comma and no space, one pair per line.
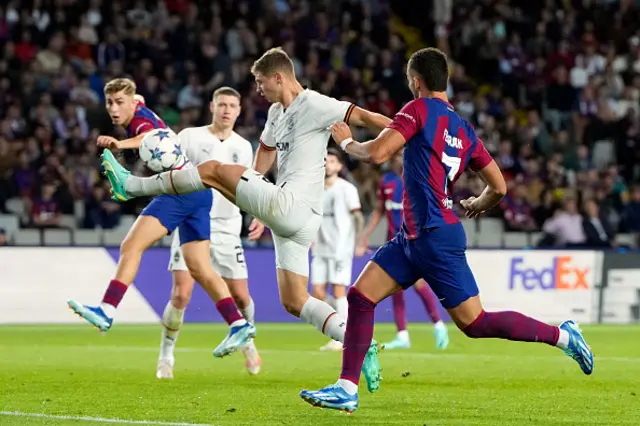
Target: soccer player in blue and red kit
189,213
390,193
438,146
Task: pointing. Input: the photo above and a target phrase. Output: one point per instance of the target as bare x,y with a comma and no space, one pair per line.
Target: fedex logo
561,274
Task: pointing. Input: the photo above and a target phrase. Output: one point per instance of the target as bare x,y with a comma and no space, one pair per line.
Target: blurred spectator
597,229
565,226
45,212
4,240
100,210
552,88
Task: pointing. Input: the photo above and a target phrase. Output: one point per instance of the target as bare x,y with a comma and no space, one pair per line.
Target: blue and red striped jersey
143,121
440,146
390,194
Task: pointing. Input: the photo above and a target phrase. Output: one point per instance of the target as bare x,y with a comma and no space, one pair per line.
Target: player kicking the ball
297,132
390,202
216,141
439,146
190,213
333,249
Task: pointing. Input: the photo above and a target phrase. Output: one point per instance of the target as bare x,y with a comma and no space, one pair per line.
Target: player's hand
255,230
340,131
107,142
470,207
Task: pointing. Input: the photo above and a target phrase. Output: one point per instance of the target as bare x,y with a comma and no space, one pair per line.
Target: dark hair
432,67
336,153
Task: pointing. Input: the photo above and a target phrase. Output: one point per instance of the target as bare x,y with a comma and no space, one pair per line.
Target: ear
278,77
211,106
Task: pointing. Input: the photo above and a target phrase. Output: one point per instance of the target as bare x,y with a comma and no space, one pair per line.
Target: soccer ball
161,151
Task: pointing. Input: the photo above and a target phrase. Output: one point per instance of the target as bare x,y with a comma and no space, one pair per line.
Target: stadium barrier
549,285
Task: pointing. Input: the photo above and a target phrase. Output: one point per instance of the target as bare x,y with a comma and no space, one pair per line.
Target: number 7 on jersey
452,165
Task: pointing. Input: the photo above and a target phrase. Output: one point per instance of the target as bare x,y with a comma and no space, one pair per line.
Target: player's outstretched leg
145,231
401,341
431,305
476,323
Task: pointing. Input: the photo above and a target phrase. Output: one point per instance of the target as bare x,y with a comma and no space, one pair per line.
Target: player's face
269,87
333,166
225,110
121,107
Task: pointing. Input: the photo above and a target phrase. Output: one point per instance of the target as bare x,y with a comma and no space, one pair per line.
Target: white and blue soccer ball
161,151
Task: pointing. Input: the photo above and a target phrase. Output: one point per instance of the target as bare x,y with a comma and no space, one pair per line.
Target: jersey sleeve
352,198
410,119
267,138
480,157
140,125
329,111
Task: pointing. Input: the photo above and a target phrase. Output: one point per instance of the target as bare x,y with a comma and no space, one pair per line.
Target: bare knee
182,289
293,303
131,246
209,170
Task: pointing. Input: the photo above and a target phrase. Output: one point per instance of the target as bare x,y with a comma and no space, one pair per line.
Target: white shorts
293,223
227,256
326,270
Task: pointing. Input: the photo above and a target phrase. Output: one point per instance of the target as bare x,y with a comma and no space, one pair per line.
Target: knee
209,169
130,246
180,297
293,305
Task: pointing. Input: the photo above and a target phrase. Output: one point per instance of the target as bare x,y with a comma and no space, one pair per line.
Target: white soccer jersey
300,134
201,145
337,234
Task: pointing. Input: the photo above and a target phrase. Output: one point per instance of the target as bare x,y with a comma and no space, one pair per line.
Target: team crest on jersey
291,122
234,157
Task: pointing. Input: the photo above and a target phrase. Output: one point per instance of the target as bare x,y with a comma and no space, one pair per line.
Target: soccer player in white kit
333,250
297,133
216,141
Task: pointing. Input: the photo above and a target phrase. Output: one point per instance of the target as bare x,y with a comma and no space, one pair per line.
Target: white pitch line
383,354
98,419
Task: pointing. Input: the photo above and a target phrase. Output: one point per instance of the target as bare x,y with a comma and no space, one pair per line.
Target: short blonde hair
272,61
226,90
116,85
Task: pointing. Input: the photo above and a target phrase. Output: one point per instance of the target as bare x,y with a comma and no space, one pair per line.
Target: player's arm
265,157
404,125
364,118
482,163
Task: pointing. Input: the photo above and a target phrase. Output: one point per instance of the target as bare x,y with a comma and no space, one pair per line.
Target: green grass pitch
65,373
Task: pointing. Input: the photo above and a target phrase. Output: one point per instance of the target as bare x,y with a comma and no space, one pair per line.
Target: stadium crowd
552,87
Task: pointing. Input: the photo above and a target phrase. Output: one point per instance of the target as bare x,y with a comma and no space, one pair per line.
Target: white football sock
324,318
563,339
342,307
249,313
108,309
175,181
348,386
403,335
172,320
